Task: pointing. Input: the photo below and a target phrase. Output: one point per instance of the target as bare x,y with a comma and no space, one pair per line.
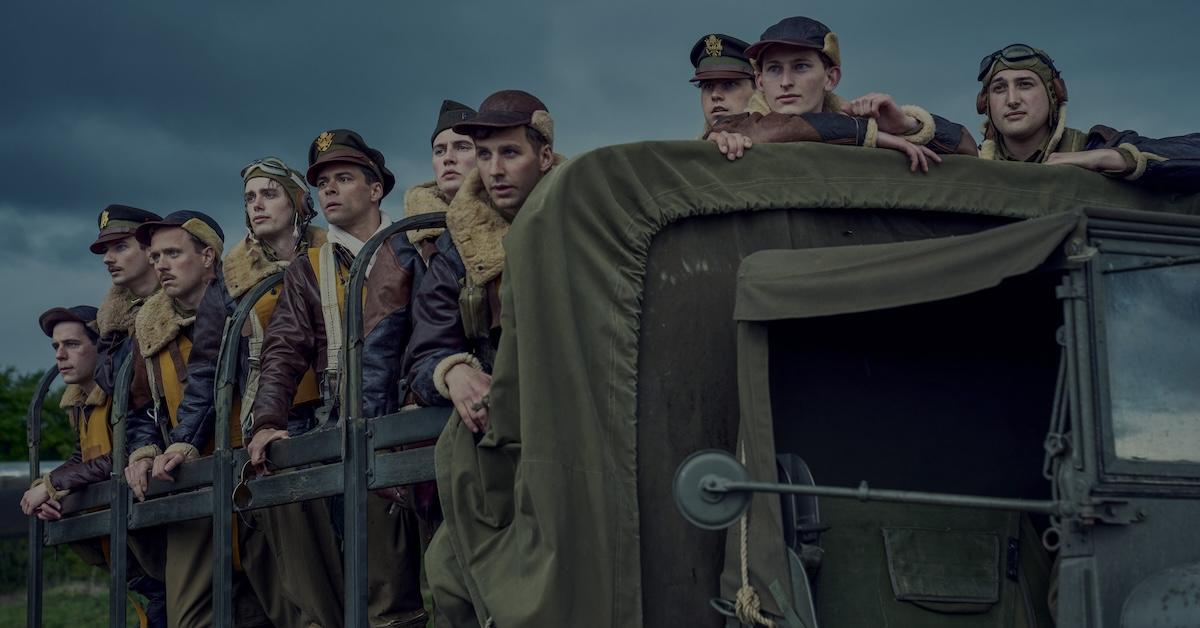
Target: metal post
33,432
222,487
118,536
356,444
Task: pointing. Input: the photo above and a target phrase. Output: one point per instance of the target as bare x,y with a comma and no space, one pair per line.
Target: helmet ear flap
1060,89
981,102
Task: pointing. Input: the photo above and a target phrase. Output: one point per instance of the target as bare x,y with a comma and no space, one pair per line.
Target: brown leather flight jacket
95,464
945,137
295,339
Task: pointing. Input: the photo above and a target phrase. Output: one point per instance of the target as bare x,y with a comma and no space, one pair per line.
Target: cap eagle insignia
713,46
324,141
104,219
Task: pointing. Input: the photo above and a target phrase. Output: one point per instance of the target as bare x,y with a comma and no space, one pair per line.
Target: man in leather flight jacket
797,66
74,335
305,333
133,281
289,552
457,309
1024,97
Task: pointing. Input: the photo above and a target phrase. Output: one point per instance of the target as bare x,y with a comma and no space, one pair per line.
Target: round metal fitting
697,502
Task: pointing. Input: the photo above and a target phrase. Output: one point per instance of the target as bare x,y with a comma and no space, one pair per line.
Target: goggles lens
1014,53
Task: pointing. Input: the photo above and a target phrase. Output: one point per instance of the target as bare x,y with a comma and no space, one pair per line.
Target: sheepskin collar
158,324
118,311
74,396
248,263
423,199
478,228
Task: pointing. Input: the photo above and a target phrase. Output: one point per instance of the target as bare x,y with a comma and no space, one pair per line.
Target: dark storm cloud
158,105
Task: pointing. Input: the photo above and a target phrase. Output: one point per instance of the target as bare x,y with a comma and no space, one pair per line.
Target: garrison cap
117,222
347,146
720,57
196,223
509,108
452,113
84,314
802,32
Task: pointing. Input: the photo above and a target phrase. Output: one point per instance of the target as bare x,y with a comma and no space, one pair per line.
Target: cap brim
145,231
494,120
97,247
57,315
756,49
344,156
718,75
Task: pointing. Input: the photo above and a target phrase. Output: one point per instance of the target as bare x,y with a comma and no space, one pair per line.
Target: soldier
73,336
133,281
305,333
724,76
453,159
456,312
185,249
296,572
1024,97
798,65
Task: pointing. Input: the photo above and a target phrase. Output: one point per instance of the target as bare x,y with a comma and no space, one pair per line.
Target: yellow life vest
95,433
170,374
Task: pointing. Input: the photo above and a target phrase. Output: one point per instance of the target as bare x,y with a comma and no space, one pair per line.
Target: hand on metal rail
258,448
49,511
164,464
34,498
138,476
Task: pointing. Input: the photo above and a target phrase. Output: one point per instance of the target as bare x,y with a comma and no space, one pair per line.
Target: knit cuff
54,493
143,453
872,135
443,367
923,135
188,450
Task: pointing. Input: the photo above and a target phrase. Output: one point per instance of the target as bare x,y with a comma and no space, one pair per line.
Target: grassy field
75,605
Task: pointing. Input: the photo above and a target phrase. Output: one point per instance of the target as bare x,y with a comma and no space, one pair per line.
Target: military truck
961,398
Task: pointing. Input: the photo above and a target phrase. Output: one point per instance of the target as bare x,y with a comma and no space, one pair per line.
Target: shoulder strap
251,389
327,281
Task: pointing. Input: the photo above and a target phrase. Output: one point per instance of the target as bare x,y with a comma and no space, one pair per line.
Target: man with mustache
133,281
73,336
724,76
453,159
289,552
185,250
305,332
1024,97
798,63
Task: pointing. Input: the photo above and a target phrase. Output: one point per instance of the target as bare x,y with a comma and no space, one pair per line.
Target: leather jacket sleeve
111,350
75,473
387,323
829,128
293,341
196,414
141,427
951,138
437,322
1170,163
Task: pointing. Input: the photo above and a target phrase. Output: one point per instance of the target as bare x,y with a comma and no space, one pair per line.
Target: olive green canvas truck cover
546,514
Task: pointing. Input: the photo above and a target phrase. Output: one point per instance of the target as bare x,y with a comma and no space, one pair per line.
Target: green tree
16,391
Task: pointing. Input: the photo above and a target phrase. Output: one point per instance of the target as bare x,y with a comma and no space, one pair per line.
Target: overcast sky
160,104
